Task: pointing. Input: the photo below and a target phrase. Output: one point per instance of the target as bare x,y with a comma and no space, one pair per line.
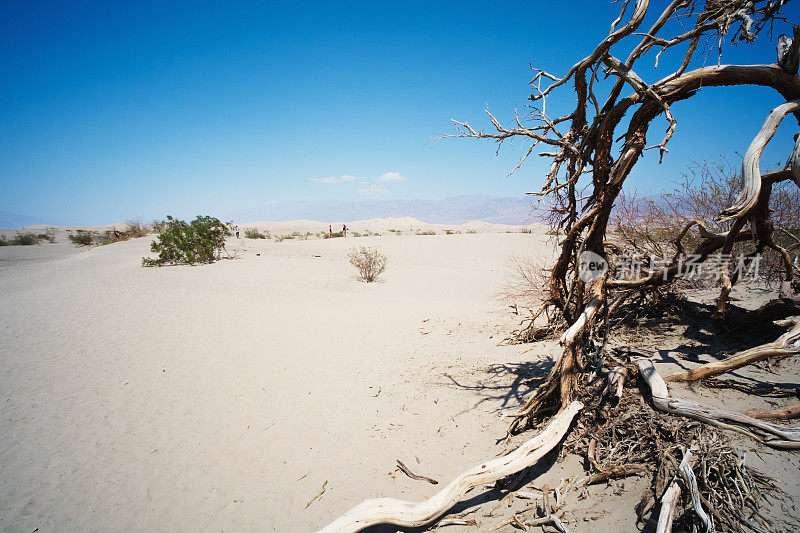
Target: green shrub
82,238
429,232
369,262
108,237
199,241
4,241
25,239
253,233
49,235
334,235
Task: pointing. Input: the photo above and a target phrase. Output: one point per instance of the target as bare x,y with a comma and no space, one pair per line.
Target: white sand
223,396
196,398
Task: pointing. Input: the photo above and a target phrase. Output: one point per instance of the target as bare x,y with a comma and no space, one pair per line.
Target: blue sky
111,111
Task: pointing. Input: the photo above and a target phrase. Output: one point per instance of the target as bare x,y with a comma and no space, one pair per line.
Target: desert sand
223,396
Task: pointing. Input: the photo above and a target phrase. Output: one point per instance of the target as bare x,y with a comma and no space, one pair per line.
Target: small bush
186,243
4,241
82,238
369,262
25,239
136,228
157,225
426,232
334,235
49,235
253,233
108,237
452,232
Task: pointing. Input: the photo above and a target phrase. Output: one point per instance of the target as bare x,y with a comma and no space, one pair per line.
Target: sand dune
223,396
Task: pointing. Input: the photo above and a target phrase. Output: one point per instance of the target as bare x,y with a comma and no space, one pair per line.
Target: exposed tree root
637,440
764,432
669,501
411,514
786,345
782,413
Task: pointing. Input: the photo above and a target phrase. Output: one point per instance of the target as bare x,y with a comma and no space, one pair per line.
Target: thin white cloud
391,176
373,191
333,179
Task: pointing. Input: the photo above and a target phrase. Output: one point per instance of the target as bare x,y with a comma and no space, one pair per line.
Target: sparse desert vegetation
253,233
28,238
370,262
81,238
640,370
187,243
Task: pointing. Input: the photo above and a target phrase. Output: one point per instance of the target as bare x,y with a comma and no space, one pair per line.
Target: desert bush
102,238
157,225
25,239
334,235
527,281
370,262
253,233
429,232
136,228
199,241
49,235
81,238
648,225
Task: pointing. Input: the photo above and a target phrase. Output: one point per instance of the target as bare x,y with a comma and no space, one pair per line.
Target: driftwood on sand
672,495
771,434
784,346
414,514
782,413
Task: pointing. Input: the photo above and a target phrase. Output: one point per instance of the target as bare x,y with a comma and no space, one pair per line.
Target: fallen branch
786,345
673,493
782,413
456,522
412,475
685,470
770,434
551,519
612,473
669,500
415,514
513,521
312,500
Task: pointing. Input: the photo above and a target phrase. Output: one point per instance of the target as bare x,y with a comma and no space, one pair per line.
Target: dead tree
587,172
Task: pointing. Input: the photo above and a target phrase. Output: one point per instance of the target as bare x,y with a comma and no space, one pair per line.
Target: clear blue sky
111,111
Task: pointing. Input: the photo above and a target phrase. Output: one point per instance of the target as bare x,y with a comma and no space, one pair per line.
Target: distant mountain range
15,220
452,210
